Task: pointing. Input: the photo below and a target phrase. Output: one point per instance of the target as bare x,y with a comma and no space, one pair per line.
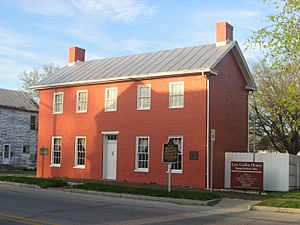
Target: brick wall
228,113
158,123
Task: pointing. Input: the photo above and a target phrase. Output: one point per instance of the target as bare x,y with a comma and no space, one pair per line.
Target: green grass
176,193
42,182
18,172
284,200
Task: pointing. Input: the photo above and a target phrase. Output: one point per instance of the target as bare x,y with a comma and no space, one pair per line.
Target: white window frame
105,100
178,136
77,102
170,88
76,156
52,151
62,103
136,154
140,97
9,147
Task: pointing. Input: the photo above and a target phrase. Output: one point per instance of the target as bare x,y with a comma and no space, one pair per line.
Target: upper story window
177,167
142,154
33,123
58,99
111,99
56,151
81,102
144,96
80,151
176,94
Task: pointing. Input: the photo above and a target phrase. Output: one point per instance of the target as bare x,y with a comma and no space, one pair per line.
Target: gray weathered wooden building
18,129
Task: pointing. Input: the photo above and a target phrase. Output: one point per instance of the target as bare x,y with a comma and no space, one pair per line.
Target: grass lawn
127,189
284,200
42,182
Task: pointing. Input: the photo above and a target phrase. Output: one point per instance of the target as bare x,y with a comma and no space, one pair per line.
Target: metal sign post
169,177
170,155
43,152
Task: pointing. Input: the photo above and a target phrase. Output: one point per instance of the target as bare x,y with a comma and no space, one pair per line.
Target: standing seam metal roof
174,60
17,100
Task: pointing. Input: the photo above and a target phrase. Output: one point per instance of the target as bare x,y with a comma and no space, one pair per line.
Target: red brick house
108,118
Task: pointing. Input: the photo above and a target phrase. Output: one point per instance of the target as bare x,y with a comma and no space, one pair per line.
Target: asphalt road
21,205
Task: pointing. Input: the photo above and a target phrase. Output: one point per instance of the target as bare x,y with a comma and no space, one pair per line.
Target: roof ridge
150,52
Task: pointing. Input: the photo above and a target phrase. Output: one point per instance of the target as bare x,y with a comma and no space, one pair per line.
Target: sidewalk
236,203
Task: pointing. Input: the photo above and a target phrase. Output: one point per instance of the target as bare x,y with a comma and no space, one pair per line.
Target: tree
34,76
277,104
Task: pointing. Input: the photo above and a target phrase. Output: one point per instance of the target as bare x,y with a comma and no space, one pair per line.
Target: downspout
207,133
248,125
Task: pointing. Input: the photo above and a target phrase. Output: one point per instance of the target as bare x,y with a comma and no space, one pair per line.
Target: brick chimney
76,54
224,33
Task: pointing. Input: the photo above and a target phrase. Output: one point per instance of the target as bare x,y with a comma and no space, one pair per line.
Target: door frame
104,151
8,159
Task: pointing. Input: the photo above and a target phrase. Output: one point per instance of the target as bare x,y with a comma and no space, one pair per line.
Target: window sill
175,171
110,110
56,113
54,165
142,171
142,109
81,111
176,107
79,167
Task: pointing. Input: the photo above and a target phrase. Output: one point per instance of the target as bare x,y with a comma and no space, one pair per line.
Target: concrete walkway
236,203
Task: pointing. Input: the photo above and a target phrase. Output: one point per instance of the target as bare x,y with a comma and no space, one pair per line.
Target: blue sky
34,32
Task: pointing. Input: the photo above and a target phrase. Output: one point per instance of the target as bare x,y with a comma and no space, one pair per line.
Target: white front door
110,157
6,153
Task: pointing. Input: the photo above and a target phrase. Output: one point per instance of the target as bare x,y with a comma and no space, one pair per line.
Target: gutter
127,78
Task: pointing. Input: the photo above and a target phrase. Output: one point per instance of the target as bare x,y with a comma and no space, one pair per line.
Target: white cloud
121,10
118,10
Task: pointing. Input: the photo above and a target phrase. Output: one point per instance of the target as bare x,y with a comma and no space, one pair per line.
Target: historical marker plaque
247,175
193,155
43,151
170,152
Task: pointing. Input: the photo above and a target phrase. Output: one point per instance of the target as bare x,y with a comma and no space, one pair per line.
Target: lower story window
56,151
26,149
80,147
177,166
142,154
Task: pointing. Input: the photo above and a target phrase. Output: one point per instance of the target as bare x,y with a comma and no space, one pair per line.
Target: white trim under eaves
128,78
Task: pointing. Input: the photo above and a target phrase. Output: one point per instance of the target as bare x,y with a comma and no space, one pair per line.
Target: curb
275,209
144,197
121,195
20,184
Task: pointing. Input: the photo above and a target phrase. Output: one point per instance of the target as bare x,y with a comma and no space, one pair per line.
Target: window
111,99
56,151
81,102
142,154
177,167
6,151
176,97
80,145
58,102
33,123
26,149
144,96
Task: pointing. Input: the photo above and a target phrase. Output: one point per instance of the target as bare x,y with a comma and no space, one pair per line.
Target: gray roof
17,100
140,66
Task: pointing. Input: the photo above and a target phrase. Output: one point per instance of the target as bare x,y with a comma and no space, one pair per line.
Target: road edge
275,209
122,195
